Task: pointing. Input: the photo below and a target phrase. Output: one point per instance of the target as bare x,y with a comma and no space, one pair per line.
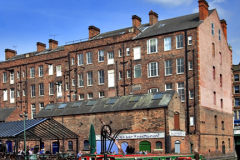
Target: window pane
137,71
167,43
168,67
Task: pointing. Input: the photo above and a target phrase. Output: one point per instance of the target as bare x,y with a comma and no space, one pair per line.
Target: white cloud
172,3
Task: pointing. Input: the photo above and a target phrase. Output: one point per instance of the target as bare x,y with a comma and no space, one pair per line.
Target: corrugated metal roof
123,103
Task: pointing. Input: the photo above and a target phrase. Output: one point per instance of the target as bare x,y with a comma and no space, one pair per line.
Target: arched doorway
223,147
177,146
145,146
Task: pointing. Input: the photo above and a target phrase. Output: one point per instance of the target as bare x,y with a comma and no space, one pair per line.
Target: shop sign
137,135
236,131
177,133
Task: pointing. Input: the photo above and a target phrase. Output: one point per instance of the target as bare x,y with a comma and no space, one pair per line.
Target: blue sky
25,22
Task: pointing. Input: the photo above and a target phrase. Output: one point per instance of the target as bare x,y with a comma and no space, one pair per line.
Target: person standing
79,154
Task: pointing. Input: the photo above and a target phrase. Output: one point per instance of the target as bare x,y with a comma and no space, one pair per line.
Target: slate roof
123,103
5,113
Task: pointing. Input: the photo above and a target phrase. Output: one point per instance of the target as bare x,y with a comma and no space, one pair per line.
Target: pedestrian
42,151
196,154
79,154
114,153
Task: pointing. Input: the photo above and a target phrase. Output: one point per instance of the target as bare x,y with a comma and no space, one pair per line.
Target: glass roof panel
158,96
91,103
111,100
62,106
135,99
76,104
49,107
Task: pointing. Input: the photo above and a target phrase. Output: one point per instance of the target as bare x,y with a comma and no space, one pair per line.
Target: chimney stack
136,21
9,53
93,31
40,46
203,9
153,18
52,44
224,27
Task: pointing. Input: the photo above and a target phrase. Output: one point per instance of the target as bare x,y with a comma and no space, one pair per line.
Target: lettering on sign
137,136
177,133
236,131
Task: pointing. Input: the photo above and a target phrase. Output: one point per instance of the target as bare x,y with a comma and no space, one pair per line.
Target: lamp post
23,116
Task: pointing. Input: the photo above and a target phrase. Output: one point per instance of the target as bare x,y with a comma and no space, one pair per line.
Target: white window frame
41,106
180,65
59,89
88,95
191,121
59,70
120,74
190,65
149,46
111,78
182,89
73,82
189,40
151,90
128,73
5,96
139,68
72,60
80,80
137,53
219,35
127,51
110,57
32,72
33,110
234,78
41,89
23,92
12,95
66,86
212,28
4,77
33,91
80,59
167,43
168,67
167,89
12,77
235,90
101,94
191,94
18,93
80,97
101,77
101,57
154,69
89,57
119,52
23,74
18,74
51,88
50,69
89,78
179,41
40,71
235,102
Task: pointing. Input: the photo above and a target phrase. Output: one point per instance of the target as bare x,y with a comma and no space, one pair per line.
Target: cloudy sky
25,22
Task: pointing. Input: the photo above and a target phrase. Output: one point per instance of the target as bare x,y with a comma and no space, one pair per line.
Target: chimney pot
153,18
136,21
9,53
203,9
224,28
93,31
40,47
52,44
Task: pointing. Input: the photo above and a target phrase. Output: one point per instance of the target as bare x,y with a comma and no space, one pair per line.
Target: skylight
91,103
161,25
135,99
49,107
112,101
62,106
144,28
158,96
76,104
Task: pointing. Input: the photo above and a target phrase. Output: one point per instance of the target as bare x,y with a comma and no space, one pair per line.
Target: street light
23,116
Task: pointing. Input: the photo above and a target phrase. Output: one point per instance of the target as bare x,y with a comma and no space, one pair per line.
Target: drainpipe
131,76
117,77
69,81
194,92
165,117
186,69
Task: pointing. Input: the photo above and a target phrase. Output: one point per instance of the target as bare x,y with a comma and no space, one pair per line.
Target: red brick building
189,54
